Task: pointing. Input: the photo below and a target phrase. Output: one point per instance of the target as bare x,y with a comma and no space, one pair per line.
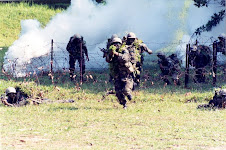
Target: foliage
215,19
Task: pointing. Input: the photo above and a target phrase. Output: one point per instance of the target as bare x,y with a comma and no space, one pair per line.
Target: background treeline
46,1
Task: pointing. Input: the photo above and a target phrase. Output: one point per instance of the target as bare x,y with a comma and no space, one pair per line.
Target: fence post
214,63
187,65
81,59
51,62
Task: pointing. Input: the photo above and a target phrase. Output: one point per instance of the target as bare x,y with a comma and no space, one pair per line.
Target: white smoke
153,21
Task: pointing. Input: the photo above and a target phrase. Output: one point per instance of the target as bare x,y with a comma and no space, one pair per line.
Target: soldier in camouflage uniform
14,98
74,46
221,43
175,69
165,65
122,70
169,66
199,57
109,43
136,48
218,101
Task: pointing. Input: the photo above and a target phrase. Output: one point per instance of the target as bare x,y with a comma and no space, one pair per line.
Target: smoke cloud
155,22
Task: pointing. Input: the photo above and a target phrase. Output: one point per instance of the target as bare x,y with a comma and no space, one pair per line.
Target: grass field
157,118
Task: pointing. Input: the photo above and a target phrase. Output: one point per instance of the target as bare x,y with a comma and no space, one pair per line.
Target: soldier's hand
87,58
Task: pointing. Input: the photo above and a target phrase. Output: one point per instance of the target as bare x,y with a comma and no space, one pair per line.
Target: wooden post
214,63
51,62
81,59
187,65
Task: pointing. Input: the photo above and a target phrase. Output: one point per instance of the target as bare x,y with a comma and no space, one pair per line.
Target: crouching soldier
14,98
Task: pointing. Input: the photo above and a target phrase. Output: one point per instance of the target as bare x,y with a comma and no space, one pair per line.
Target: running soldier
122,70
136,48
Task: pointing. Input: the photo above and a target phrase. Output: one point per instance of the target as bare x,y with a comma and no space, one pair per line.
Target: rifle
105,51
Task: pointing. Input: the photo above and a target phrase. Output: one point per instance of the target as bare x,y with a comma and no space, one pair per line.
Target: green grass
13,13
157,117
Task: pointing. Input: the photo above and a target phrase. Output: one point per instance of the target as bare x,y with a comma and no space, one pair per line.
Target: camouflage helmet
10,90
222,92
222,35
131,35
116,40
114,36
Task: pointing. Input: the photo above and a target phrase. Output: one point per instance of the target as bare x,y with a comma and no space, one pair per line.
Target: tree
216,18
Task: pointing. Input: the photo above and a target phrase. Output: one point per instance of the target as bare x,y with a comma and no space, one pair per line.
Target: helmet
10,90
116,40
160,54
222,35
222,92
194,48
78,36
131,35
114,36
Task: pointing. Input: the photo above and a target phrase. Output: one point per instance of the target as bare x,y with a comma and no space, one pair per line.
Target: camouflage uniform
175,68
221,43
122,71
218,101
14,97
136,48
199,57
109,43
165,65
74,49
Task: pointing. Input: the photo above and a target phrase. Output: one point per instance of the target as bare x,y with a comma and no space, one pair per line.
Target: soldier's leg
71,66
198,75
128,86
119,92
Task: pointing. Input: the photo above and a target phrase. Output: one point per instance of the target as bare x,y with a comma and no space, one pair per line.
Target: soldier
175,68
165,65
221,43
218,101
76,48
109,43
14,98
136,48
199,57
122,70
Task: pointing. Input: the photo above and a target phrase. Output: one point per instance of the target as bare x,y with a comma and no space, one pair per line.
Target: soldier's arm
85,50
5,102
124,56
145,48
69,45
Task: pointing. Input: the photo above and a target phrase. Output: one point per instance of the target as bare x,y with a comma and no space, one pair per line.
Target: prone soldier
218,101
76,48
